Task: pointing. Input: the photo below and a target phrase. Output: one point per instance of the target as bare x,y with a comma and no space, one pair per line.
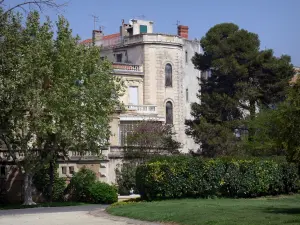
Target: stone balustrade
127,67
141,108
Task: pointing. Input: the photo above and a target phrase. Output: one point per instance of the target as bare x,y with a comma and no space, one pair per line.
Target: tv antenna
142,17
96,20
177,23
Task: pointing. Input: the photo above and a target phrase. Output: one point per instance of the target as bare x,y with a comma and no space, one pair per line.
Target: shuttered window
143,29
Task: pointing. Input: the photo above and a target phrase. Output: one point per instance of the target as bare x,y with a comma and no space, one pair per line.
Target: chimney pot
97,35
183,31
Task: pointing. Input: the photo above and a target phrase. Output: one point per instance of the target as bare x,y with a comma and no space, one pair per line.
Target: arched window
169,113
168,75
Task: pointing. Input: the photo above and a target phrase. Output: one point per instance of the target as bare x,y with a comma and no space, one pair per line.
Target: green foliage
80,184
50,101
103,193
125,177
278,129
197,177
41,181
241,79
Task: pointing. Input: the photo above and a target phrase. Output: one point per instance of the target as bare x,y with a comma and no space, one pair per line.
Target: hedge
179,177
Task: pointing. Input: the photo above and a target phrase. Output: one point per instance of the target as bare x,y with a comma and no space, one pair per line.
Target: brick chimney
97,35
183,31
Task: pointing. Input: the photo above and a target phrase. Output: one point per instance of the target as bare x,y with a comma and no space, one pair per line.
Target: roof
87,41
111,36
107,37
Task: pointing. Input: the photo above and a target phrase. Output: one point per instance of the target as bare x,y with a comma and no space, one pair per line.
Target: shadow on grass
292,211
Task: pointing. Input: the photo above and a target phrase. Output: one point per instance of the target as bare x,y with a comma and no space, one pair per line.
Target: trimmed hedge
179,177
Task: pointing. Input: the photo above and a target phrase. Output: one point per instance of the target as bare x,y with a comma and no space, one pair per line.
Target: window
206,74
186,57
133,95
143,29
168,75
2,171
119,57
71,169
187,95
125,129
64,170
169,113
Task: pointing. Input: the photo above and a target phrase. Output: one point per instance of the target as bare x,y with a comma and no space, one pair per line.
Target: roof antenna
96,19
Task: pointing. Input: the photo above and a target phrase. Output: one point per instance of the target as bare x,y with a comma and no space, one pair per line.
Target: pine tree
242,79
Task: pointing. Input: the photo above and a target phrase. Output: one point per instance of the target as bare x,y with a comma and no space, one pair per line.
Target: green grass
260,211
53,204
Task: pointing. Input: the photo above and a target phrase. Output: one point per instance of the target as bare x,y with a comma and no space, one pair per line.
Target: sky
277,22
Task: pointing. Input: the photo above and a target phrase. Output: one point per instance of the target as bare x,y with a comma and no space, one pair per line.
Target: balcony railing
127,67
141,108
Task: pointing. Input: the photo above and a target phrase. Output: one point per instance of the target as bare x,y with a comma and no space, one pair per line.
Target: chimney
97,35
183,31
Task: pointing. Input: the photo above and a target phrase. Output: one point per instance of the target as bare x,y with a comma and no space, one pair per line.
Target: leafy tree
278,129
55,95
36,4
241,80
150,138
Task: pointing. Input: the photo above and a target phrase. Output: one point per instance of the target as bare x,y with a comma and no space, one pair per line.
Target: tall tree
277,130
55,95
241,79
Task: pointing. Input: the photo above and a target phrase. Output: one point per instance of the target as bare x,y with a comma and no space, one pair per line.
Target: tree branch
37,3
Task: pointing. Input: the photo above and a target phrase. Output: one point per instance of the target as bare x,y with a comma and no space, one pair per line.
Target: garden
190,190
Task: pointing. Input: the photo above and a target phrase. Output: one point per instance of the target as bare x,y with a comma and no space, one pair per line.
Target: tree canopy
241,79
56,96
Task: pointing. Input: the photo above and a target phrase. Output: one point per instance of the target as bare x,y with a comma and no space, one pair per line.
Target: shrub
177,177
103,193
80,183
41,181
125,177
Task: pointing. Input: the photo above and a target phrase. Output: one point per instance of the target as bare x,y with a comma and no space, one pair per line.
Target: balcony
127,68
152,38
143,109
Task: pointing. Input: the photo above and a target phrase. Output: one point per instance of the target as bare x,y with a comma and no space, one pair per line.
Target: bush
103,193
178,177
80,183
41,181
125,178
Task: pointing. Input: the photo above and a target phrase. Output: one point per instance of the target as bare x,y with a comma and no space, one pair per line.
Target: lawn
260,211
53,204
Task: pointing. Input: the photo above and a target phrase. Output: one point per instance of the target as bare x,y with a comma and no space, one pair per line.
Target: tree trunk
51,176
252,117
28,189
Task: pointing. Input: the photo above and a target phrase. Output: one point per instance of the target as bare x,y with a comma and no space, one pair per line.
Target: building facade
160,84
159,76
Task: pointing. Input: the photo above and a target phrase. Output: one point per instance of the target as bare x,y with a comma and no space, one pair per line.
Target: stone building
160,83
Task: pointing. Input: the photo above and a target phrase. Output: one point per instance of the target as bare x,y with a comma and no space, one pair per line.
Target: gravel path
78,215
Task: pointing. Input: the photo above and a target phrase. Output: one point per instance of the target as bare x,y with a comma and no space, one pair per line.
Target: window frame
168,72
186,57
169,113
64,170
